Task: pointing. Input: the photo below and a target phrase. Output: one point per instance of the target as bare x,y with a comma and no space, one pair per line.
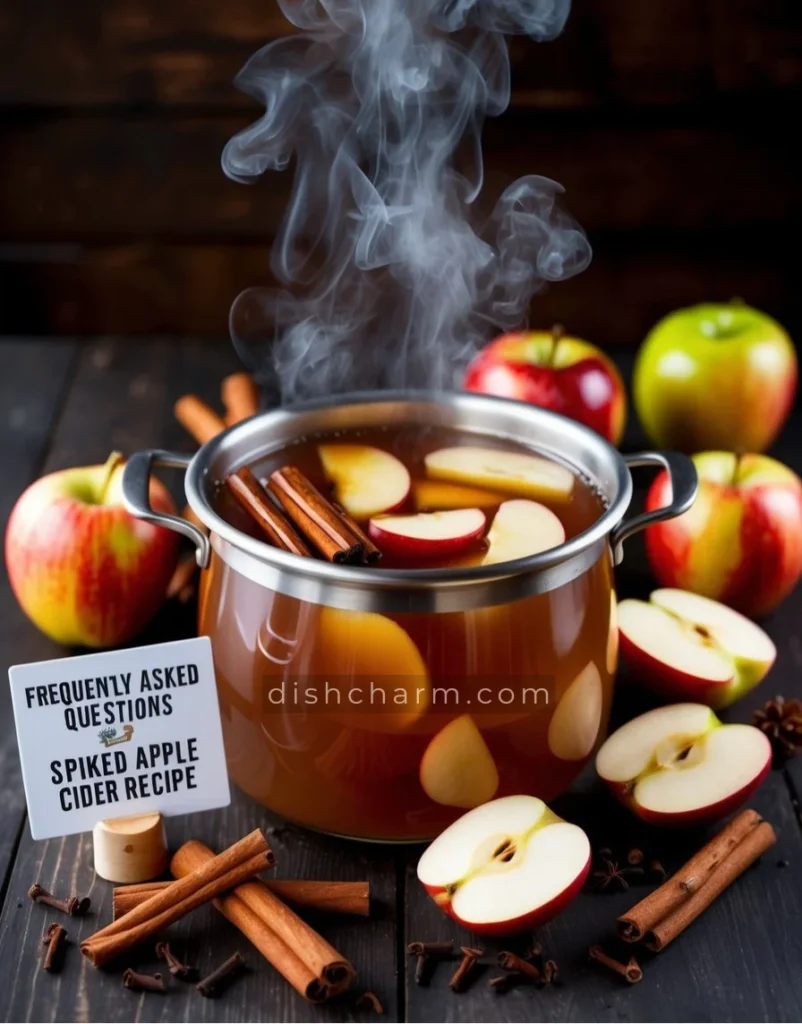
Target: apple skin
672,683
561,373
402,546
715,376
540,916
741,542
82,569
699,815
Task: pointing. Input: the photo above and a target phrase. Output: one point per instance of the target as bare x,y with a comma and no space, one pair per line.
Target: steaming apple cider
387,726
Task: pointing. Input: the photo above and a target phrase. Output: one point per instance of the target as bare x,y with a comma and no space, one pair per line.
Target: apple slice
428,534
679,764
530,476
457,769
507,866
522,528
612,635
687,646
367,481
437,495
574,726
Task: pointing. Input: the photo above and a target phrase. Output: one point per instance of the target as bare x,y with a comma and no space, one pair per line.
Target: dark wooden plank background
669,124
65,405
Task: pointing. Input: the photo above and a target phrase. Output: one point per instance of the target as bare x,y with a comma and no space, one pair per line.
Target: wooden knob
131,849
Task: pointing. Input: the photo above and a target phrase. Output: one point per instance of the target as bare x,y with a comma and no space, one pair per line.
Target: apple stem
112,462
557,332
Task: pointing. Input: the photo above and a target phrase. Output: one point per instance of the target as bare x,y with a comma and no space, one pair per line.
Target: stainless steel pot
409,590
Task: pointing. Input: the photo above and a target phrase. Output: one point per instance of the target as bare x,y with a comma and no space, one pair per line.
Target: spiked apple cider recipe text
388,726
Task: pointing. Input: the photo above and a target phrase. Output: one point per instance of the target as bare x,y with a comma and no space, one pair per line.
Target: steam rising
386,281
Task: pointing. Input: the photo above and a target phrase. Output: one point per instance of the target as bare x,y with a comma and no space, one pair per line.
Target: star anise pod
781,721
612,875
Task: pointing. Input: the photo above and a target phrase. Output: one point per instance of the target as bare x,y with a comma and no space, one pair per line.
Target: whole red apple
741,541
84,570
554,371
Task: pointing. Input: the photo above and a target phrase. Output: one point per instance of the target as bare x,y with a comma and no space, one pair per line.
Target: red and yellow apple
679,765
716,375
557,372
741,540
505,867
688,647
84,570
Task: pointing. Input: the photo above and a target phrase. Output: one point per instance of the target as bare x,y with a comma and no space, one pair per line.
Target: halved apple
574,726
438,495
679,764
505,867
522,528
457,769
684,645
518,473
367,480
428,534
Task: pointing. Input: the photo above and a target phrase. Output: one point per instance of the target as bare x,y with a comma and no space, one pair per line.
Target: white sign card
118,733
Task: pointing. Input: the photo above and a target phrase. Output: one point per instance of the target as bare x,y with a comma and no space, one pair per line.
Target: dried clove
551,973
174,965
428,955
143,982
635,857
459,979
512,962
220,979
370,999
72,905
629,971
54,939
657,873
504,982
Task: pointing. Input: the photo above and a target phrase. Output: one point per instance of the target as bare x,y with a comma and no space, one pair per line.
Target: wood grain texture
187,289
142,178
35,376
145,53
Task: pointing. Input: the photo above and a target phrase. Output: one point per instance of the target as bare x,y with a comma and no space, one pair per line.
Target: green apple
715,376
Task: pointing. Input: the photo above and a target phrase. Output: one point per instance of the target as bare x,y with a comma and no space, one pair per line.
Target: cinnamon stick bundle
240,397
315,517
329,897
311,965
216,875
250,494
665,913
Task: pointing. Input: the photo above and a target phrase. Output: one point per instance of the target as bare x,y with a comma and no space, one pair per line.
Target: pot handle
136,497
684,485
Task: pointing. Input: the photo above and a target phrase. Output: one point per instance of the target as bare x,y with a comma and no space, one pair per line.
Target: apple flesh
428,535
82,569
507,866
529,476
679,764
438,496
741,540
367,481
457,768
575,724
522,528
556,372
738,354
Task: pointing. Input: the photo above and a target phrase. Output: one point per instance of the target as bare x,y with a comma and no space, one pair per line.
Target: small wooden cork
130,849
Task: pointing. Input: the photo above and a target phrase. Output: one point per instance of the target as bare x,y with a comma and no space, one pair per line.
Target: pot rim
577,437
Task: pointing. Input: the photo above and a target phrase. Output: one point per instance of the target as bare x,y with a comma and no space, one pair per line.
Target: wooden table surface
66,403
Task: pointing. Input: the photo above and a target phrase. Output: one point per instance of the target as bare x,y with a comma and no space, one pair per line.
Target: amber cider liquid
389,726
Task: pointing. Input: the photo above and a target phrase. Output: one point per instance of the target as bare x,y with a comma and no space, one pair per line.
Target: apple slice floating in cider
367,481
507,866
575,723
515,472
522,528
438,495
679,764
457,769
687,646
428,534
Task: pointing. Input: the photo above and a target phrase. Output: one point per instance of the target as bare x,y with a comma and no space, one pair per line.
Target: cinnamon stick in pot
315,517
251,496
311,965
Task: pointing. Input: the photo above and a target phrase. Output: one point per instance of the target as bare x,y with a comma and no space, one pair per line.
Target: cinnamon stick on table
240,397
315,517
251,496
329,897
311,965
665,913
216,875
197,418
